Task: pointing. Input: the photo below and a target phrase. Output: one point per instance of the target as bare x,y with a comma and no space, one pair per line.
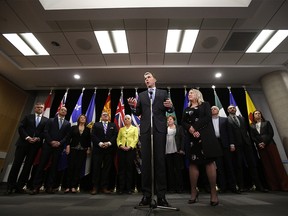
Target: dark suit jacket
75,137
159,111
224,132
28,127
179,138
210,144
239,135
266,133
98,136
53,133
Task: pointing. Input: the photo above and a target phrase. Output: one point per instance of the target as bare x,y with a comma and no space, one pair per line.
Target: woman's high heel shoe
192,201
214,203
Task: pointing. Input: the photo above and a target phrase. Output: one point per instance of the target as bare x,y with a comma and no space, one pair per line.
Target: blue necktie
105,127
37,120
60,123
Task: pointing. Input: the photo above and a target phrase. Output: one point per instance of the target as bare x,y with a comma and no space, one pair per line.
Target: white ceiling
146,29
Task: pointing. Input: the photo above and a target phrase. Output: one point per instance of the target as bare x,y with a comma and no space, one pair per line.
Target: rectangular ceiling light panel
100,4
112,41
26,43
181,41
267,41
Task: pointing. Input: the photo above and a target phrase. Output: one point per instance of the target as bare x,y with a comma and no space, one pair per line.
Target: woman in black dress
77,149
203,145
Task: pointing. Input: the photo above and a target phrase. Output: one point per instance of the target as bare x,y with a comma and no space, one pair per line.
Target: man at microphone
160,105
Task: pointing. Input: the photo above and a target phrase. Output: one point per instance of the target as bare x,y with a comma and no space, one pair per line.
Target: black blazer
75,137
53,133
28,127
239,134
98,136
179,138
225,132
158,109
266,133
210,144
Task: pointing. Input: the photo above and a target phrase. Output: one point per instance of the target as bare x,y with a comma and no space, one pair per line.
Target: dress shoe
162,202
8,192
235,191
67,190
192,201
93,191
263,190
20,191
50,191
105,191
214,203
145,201
34,192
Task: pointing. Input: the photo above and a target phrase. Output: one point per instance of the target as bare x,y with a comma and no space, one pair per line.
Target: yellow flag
250,107
107,106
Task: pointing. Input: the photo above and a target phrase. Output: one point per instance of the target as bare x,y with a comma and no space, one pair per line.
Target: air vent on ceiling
239,41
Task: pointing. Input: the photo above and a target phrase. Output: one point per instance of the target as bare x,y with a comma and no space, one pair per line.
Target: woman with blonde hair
203,145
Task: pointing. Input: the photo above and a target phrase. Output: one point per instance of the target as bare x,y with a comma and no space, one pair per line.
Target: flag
91,117
219,105
91,113
250,107
63,102
77,110
107,106
47,105
173,113
120,113
233,102
62,164
135,118
186,100
46,113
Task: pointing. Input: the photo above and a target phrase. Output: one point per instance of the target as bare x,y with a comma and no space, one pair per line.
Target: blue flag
91,113
233,102
77,111
186,100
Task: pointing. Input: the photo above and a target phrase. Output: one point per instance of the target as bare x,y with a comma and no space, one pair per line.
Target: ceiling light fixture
218,75
96,4
267,41
26,43
181,41
77,76
112,41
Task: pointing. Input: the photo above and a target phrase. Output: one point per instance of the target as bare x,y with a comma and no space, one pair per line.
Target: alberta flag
77,110
91,117
219,105
91,113
233,102
120,113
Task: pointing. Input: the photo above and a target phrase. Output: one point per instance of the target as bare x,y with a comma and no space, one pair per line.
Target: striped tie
105,127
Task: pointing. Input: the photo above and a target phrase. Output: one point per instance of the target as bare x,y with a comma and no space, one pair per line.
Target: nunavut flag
250,107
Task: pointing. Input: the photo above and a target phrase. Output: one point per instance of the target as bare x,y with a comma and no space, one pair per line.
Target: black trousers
102,167
23,152
159,144
126,168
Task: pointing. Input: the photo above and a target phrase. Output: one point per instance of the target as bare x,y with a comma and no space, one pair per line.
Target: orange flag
250,107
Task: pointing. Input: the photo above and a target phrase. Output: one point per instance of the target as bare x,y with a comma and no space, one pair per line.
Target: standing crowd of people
216,152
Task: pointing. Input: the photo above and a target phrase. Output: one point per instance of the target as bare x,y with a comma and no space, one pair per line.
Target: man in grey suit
31,131
160,104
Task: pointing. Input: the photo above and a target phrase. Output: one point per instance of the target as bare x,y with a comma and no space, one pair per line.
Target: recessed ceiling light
218,75
77,76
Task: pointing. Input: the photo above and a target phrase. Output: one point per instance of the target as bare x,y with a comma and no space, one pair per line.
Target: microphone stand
153,204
